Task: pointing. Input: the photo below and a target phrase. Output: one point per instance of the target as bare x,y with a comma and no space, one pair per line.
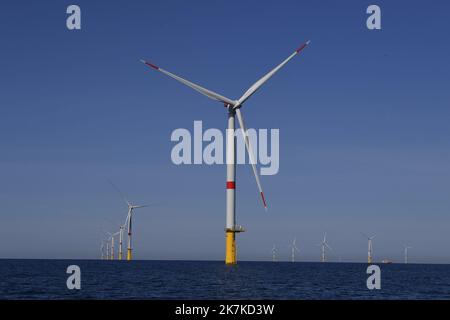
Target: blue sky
363,118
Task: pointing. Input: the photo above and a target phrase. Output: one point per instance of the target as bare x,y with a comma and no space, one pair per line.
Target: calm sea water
46,279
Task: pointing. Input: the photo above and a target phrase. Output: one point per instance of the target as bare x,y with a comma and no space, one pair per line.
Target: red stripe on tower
231,185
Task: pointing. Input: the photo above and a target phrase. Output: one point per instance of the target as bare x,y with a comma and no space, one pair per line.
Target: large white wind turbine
294,249
406,253
370,247
324,244
234,110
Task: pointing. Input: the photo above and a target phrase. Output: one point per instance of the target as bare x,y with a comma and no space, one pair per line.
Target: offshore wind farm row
107,247
324,246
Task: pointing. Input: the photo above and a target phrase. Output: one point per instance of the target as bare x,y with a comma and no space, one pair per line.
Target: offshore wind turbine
294,249
234,110
324,244
102,246
128,222
406,253
107,250
121,241
111,236
370,247
274,253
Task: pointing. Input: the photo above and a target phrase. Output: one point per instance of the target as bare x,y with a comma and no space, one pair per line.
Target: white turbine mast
121,228
102,249
128,223
369,247
233,110
111,237
107,250
406,253
294,249
274,253
324,244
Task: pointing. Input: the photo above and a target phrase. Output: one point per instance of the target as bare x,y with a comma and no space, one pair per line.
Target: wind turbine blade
143,206
210,94
261,81
250,155
325,237
120,192
126,220
365,235
372,237
326,244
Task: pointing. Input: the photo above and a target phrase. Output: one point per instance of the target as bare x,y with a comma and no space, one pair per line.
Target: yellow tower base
129,254
230,247
120,256
369,260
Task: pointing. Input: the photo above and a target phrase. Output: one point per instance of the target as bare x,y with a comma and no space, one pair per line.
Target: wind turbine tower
107,250
131,207
294,249
406,253
128,223
112,235
324,245
370,248
102,247
120,242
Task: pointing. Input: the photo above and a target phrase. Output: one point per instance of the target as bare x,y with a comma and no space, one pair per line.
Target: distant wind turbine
406,253
294,249
128,220
121,241
324,244
111,237
107,250
274,253
102,247
370,247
